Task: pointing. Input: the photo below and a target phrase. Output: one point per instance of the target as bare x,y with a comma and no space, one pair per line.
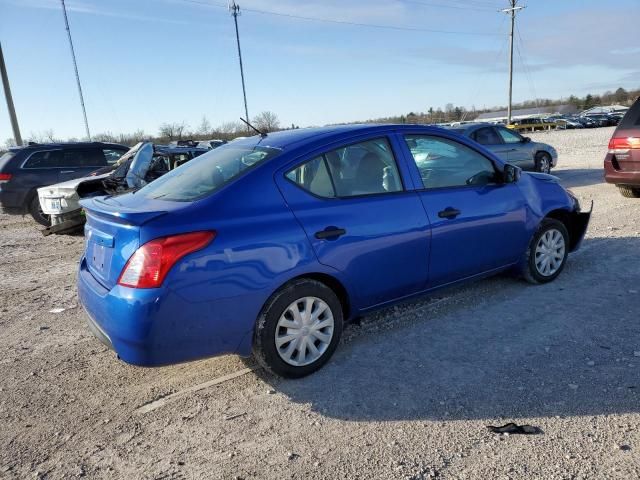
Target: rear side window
44,159
365,168
486,136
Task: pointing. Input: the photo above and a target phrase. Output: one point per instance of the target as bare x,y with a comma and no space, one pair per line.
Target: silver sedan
511,147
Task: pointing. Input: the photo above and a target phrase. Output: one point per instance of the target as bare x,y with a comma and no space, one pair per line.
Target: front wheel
547,253
36,212
298,329
543,162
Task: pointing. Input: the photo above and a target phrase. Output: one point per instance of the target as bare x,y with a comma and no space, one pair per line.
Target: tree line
268,121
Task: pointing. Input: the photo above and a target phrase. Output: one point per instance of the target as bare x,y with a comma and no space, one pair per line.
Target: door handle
68,171
449,212
330,233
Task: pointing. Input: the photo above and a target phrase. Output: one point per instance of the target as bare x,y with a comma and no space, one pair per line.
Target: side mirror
526,139
511,173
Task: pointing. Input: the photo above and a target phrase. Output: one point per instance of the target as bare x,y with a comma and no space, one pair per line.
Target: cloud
89,9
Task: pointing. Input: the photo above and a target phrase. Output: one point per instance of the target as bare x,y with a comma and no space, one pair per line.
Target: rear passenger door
352,202
80,162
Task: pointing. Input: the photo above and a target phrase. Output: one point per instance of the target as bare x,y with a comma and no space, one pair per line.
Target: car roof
300,137
37,146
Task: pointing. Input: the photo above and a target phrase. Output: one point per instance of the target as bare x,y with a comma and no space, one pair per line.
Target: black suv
24,169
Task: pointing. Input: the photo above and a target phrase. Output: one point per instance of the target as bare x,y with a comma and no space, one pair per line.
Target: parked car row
585,121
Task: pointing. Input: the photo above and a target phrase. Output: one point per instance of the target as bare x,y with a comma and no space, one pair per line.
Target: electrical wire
346,22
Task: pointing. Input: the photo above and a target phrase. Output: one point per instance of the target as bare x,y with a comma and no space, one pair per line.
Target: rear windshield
632,117
207,173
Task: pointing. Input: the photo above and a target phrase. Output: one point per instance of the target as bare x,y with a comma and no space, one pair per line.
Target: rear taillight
623,144
5,177
149,265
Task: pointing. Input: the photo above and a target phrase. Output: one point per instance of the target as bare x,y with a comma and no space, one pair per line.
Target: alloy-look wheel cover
304,331
550,252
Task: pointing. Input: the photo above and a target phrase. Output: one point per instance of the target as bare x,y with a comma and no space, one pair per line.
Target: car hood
544,177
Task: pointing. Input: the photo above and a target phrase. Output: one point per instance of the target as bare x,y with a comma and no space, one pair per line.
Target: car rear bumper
619,176
154,327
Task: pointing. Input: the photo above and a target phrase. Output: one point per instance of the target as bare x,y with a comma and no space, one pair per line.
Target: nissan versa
270,244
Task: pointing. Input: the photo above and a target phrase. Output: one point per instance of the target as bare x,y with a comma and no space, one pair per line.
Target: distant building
527,112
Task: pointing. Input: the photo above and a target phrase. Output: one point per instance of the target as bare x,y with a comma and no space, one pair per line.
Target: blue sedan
269,244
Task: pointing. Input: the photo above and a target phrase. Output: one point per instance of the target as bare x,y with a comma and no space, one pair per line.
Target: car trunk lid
112,234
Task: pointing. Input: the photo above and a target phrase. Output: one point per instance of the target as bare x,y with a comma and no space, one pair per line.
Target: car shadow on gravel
579,177
501,348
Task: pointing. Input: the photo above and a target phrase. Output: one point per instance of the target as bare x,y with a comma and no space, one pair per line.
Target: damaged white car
144,163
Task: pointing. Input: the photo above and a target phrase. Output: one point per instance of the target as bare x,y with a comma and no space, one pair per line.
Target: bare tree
205,127
172,131
266,121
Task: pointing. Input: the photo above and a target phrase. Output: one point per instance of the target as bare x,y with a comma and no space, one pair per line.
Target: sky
146,62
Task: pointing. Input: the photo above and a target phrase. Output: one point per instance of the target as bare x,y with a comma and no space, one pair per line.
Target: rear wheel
543,162
36,212
298,329
629,192
547,253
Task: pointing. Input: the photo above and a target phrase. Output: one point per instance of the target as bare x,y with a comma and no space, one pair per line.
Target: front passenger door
520,152
477,222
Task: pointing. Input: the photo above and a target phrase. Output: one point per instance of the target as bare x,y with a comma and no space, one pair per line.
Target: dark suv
622,163
24,169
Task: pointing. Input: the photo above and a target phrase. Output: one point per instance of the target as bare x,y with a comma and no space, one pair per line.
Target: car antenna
262,134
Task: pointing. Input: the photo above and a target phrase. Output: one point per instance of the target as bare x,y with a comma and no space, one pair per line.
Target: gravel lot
408,394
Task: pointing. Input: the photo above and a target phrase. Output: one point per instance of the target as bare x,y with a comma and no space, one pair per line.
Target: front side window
45,159
446,163
209,172
364,168
509,136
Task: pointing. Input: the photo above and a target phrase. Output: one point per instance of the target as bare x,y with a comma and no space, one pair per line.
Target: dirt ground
408,394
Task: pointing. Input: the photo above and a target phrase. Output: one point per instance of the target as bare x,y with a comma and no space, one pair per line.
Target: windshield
207,173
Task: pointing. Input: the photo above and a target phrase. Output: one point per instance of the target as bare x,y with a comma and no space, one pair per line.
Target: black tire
530,269
265,350
543,162
629,192
36,212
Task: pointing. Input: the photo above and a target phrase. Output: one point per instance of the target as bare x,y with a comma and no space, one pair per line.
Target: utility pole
75,66
512,10
7,95
234,8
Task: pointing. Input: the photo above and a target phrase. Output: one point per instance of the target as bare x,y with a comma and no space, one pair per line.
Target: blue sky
145,62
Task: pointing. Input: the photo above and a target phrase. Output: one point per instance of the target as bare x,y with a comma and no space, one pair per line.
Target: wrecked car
142,164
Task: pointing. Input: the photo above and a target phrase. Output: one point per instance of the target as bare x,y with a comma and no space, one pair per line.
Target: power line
458,7
346,22
75,66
